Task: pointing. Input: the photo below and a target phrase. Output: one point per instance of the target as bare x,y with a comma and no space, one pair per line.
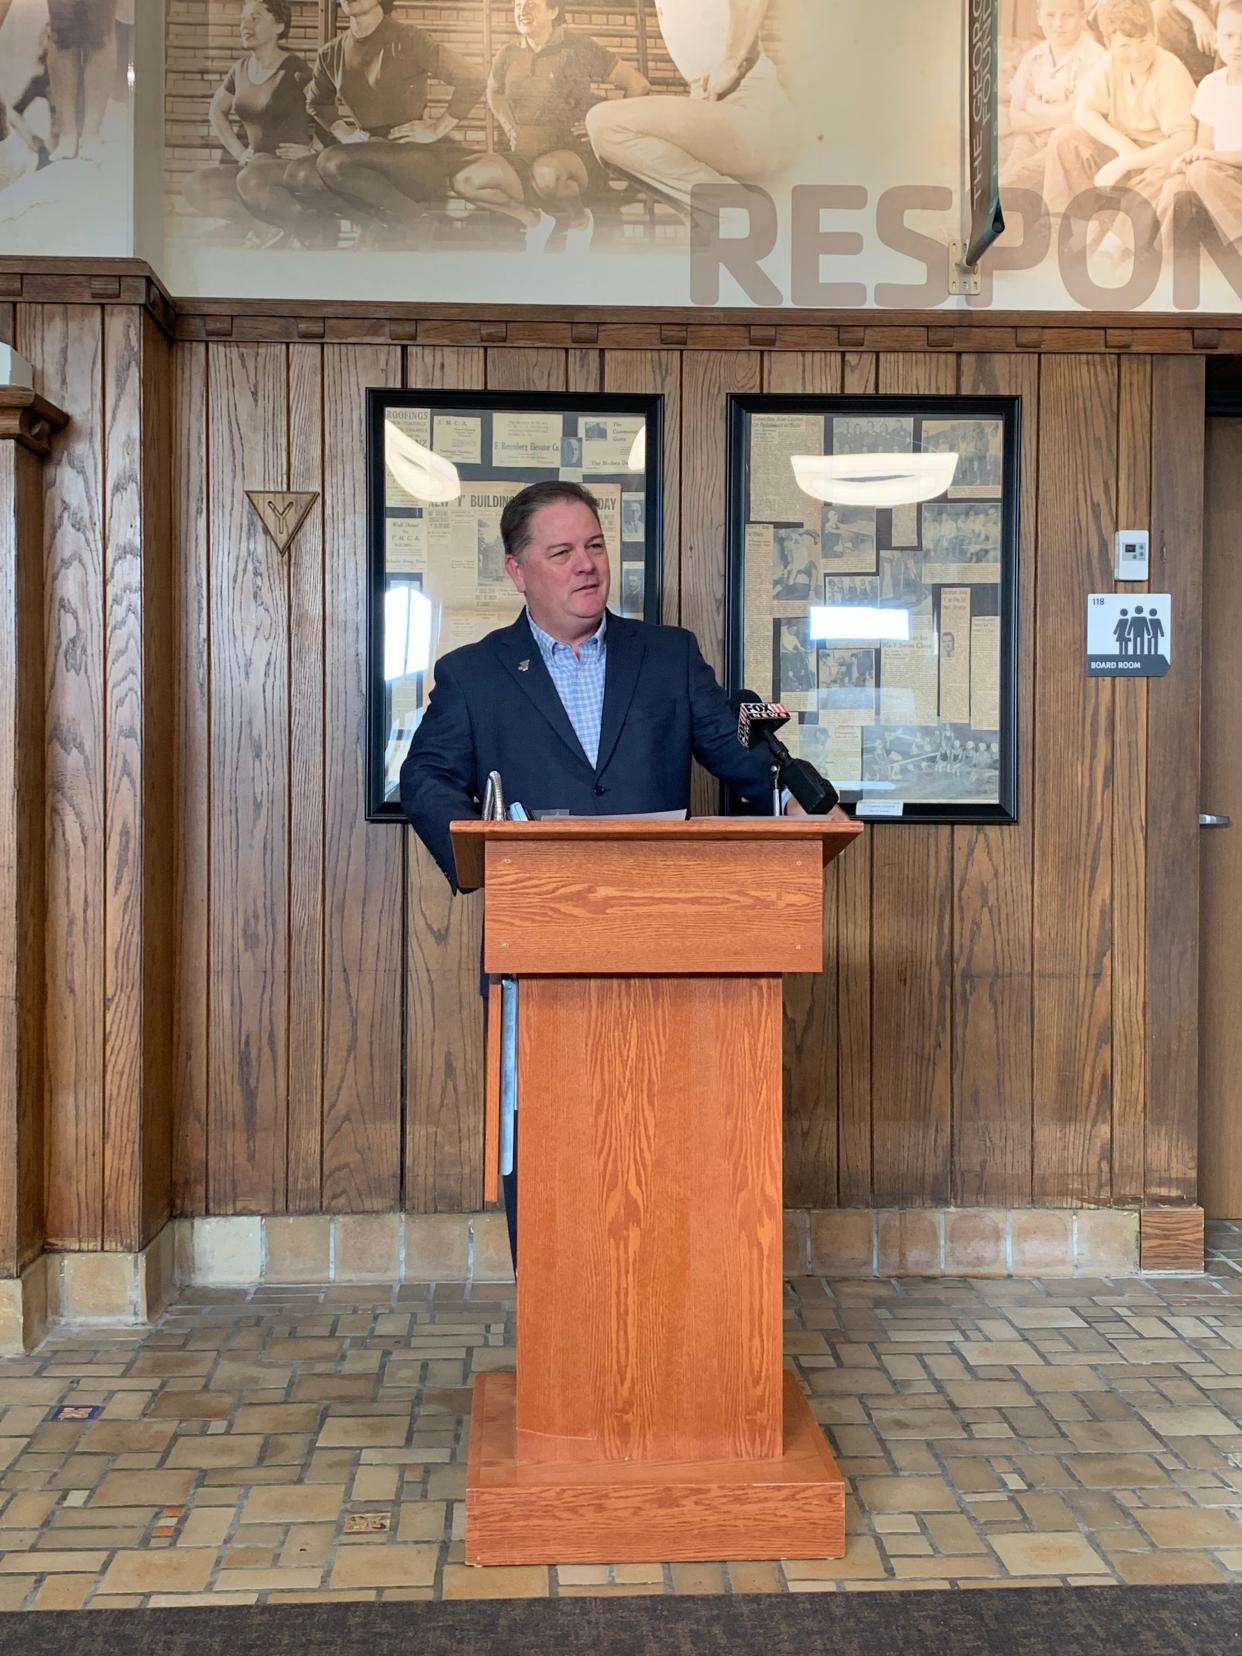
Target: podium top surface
471,837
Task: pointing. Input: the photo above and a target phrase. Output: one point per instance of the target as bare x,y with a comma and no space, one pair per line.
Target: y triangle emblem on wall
281,513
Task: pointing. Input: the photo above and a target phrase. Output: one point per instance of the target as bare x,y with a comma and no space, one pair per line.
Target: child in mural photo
1187,28
1044,91
391,161
23,148
73,69
259,115
81,66
1131,122
1208,176
539,90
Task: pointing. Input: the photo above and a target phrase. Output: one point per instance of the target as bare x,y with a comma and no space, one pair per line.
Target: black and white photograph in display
442,466
872,592
527,126
66,126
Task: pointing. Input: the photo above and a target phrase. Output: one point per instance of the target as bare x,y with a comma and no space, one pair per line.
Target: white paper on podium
620,816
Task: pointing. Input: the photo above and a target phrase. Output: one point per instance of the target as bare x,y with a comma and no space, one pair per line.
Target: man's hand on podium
793,809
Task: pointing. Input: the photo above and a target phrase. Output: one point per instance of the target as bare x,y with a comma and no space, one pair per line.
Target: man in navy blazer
580,710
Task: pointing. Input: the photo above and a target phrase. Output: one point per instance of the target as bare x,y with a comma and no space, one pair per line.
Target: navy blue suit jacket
495,708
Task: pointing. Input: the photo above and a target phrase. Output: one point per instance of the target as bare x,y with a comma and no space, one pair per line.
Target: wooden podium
651,1416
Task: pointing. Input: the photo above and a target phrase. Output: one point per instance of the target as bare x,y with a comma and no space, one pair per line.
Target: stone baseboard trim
81,1289
992,1242
290,1250
354,1248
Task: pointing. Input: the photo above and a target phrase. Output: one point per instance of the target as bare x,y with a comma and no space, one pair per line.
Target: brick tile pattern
278,1445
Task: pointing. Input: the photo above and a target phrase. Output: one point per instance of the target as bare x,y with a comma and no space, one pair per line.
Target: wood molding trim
28,419
261,322
1171,1239
357,322
88,282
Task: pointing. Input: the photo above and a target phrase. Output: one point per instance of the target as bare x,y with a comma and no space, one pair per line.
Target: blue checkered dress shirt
579,681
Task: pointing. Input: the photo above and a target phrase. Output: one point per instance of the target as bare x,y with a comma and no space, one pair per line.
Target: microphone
757,724
758,720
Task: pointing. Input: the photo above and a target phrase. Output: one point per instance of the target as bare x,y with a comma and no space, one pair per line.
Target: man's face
1136,53
1062,21
1229,38
531,14
563,573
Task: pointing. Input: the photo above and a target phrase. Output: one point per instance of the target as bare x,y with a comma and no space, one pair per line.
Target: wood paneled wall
258,1002
994,1026
22,1042
109,823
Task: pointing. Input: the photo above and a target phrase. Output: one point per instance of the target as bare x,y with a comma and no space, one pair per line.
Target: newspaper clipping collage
445,582
901,705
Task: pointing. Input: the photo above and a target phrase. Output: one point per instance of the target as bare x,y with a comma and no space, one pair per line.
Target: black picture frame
381,805
742,409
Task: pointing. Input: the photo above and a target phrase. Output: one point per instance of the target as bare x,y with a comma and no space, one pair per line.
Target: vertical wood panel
659,373
1177,439
124,846
992,1038
1093,971
444,935
8,322
854,978
191,772
1220,1079
707,381
248,919
912,959
363,862
159,673
526,369
611,1366
1073,773
304,1124
21,857
810,1000
585,371
66,341
1130,820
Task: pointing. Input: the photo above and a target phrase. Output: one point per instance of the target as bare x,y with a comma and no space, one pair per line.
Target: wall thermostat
1133,560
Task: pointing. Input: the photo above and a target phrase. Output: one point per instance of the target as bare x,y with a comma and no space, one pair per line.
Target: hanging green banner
987,220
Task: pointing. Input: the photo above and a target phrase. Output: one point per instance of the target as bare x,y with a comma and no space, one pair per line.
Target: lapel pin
523,666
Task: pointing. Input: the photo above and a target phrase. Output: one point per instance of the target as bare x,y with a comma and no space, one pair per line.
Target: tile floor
283,1444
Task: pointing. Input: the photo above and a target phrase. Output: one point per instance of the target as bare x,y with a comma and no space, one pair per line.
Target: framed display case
872,589
441,467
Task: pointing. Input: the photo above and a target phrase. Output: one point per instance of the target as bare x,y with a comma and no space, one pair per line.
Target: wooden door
1220,1026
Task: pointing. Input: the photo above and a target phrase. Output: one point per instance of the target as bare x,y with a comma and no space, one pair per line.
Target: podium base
621,1512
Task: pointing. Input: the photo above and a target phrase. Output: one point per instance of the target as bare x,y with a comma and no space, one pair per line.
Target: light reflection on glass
874,479
422,474
407,632
857,623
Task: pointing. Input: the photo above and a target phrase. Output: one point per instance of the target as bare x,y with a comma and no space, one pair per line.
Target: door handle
1215,822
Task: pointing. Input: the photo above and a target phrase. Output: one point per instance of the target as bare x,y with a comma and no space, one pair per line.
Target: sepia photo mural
479,139
1121,149
777,153
66,127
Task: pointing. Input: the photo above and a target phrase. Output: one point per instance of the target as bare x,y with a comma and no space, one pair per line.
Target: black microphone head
814,793
757,720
